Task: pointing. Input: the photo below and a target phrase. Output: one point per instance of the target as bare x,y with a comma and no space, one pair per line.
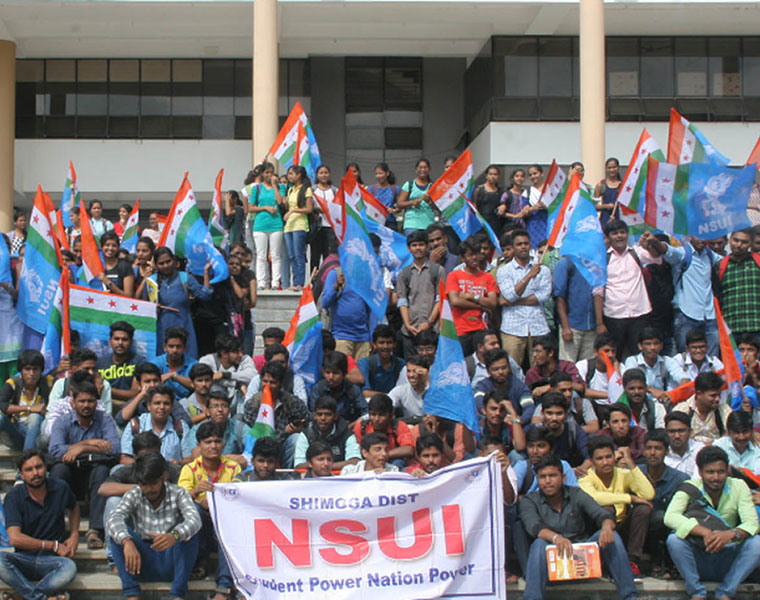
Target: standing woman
253,178
354,168
387,192
118,277
143,265
121,225
533,212
17,235
263,207
174,289
511,200
487,198
324,191
234,216
414,199
300,205
98,223
151,231
607,190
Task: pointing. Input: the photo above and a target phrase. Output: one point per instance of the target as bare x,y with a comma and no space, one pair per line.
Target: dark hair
649,333
145,440
82,355
273,349
316,448
335,361
146,368
421,160
539,433
429,440
148,242
558,377
598,442
160,390
490,440
93,202
695,335
30,358
615,225
576,163
516,233
604,339
493,355
515,172
679,416
634,374
539,168
711,454
328,341
549,343
552,399
549,460
389,174
26,455
355,165
79,377
149,467
268,447
380,403
708,381
432,228
419,360
200,370
209,429
109,235
176,333
417,235
127,328
492,166
275,369
326,402
373,438
658,435
471,244
383,331
506,239
479,338
218,392
739,421
273,332
426,337
234,196
619,407
449,157
749,339
227,343
305,184
495,395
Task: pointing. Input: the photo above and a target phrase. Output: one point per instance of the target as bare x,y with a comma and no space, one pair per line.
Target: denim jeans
730,566
209,543
296,244
614,556
89,479
111,503
174,564
22,435
52,572
683,324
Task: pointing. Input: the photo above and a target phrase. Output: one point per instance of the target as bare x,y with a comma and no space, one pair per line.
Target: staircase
273,309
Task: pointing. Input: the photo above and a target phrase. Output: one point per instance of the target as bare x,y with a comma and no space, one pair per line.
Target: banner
366,536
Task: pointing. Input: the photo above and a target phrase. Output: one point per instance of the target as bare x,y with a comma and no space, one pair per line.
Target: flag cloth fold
615,389
335,211
732,361
688,144
92,261
394,253
131,231
5,263
375,209
296,144
263,426
553,192
57,341
219,234
91,313
70,197
40,270
60,232
450,393
186,234
632,190
304,339
754,156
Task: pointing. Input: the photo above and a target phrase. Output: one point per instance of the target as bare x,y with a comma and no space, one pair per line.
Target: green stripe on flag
191,216
454,207
287,153
448,330
680,193
304,327
261,430
104,317
41,245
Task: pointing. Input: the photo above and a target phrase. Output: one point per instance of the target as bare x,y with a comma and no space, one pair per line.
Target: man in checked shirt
160,541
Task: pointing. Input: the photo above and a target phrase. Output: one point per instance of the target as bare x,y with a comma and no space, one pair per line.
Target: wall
328,110
443,107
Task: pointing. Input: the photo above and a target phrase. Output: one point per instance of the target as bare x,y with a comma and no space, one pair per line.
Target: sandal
200,570
663,573
94,542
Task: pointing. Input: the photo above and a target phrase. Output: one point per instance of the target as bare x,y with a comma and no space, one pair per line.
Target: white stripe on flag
179,215
689,142
452,194
664,185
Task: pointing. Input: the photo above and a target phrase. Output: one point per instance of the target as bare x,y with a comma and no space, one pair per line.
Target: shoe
636,573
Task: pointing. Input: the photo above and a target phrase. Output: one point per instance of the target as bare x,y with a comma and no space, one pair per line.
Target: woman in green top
264,201
416,202
300,204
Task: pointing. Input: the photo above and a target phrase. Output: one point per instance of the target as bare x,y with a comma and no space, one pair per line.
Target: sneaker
636,572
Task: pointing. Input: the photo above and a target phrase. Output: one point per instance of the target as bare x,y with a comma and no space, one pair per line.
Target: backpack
394,430
527,480
324,271
590,370
718,420
686,263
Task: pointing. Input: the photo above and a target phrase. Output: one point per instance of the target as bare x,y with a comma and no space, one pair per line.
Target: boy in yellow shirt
625,492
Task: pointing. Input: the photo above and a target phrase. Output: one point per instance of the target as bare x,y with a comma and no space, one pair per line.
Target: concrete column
265,77
593,94
7,130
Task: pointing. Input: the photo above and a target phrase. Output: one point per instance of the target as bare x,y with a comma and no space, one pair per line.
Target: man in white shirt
408,397
375,456
696,360
231,367
593,371
683,450
662,372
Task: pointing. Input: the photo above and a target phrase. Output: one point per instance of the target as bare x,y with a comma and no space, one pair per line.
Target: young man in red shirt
400,444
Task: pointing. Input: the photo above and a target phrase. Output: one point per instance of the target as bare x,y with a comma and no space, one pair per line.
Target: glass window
657,74
751,66
187,99
187,127
401,138
60,127
622,66
155,70
187,70
124,70
124,99
123,127
60,70
92,70
92,127
218,127
691,66
364,85
555,67
243,128
403,84
521,68
218,77
155,127
156,99
725,79
28,71
243,76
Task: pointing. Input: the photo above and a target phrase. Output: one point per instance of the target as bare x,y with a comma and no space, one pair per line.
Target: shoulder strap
469,361
258,192
374,363
686,263
178,427
651,409
527,480
590,370
722,266
436,271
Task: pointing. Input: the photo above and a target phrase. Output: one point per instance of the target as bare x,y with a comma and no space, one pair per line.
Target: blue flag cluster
5,262
394,253
717,199
306,359
584,243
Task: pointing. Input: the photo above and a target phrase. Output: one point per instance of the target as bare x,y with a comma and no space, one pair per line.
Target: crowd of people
665,482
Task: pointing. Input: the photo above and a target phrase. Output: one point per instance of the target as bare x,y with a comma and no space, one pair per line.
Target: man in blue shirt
662,372
351,403
381,369
34,517
350,315
577,317
158,420
86,443
234,430
174,364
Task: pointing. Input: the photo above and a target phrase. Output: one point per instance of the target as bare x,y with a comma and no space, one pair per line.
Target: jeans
296,244
683,324
91,478
268,243
208,543
111,503
175,564
730,566
614,556
22,435
53,573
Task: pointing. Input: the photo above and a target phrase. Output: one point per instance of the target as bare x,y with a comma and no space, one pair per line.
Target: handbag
91,459
701,510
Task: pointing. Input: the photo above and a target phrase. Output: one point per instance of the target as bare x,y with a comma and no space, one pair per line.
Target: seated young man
558,514
683,450
118,366
158,420
458,441
546,363
666,481
381,420
500,419
153,531
725,555
354,374
375,456
501,378
662,373
568,439
696,360
198,478
646,412
490,444
429,455
233,441
196,404
290,414
329,427
41,565
231,367
147,375
319,460
291,383
23,400
381,369
593,371
742,452
174,364
705,410
622,433
266,457
86,431
271,335
581,409
351,403
408,397
625,492
485,340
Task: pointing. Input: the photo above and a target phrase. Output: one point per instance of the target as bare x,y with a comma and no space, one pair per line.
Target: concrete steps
273,309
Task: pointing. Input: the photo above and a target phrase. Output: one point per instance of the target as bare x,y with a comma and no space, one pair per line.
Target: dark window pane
214,105
400,138
554,67
243,128
155,127
122,127
403,84
62,99
187,99
91,127
657,76
298,78
691,66
364,85
622,66
29,127
59,127
218,77
124,99
724,66
559,109
156,99
221,128
243,78
751,66
521,68
26,98
187,127
515,109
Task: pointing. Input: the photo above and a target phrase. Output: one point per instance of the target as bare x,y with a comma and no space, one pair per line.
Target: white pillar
265,77
7,130
593,94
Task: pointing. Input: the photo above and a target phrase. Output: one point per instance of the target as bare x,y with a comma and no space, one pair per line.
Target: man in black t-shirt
118,367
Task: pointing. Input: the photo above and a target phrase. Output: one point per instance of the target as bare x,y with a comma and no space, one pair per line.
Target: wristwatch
737,536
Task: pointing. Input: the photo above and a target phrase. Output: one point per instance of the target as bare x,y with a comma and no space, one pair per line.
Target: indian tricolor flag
131,233
373,208
303,319
92,263
304,339
687,144
216,222
70,197
732,360
263,426
666,194
60,232
554,191
565,214
453,189
57,340
615,389
632,189
295,143
334,210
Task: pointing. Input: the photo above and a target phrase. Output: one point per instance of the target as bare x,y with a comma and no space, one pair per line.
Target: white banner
367,536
